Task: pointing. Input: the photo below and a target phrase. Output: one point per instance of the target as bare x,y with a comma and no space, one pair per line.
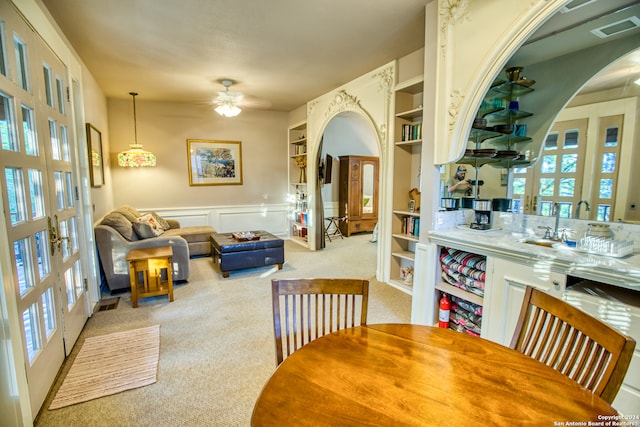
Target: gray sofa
121,230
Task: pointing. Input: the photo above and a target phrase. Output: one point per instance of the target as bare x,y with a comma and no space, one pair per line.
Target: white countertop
623,272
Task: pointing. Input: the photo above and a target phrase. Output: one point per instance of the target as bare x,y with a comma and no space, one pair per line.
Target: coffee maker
482,215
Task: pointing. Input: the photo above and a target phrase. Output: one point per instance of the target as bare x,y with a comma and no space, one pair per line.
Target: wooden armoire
358,194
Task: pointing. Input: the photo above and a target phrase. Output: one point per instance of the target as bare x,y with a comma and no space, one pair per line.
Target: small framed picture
412,205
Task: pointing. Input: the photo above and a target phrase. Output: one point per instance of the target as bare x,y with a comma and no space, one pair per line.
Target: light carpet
218,347
109,364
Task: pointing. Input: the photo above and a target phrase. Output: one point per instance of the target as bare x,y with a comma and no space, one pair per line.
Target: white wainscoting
272,218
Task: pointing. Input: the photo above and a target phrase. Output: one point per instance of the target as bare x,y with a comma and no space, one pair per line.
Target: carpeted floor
216,343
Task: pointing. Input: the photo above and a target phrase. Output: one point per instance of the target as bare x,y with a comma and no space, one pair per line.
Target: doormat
110,364
108,304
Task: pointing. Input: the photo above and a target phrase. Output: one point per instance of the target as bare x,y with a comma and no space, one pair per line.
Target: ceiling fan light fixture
136,157
228,109
226,101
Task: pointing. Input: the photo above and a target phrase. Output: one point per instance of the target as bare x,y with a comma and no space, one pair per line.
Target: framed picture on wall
213,162
96,160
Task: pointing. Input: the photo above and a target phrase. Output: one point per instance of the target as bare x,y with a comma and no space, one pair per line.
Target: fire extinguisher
445,307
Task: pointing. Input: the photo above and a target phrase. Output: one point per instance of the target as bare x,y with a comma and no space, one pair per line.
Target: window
21,62
16,195
7,133
551,143
571,139
60,93
3,63
48,85
29,130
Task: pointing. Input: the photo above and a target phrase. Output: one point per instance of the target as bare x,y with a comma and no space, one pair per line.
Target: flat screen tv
327,169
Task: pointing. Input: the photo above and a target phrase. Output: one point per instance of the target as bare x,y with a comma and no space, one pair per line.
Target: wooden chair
306,309
583,348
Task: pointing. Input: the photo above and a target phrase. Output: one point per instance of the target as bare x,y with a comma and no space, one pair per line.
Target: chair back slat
583,348
311,308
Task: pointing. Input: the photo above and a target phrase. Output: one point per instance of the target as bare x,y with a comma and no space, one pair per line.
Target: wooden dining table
414,375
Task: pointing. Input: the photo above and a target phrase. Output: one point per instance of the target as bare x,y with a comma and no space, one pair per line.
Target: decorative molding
343,102
385,78
310,106
451,13
382,132
454,11
455,99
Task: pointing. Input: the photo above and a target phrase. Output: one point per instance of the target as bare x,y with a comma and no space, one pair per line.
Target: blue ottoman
233,254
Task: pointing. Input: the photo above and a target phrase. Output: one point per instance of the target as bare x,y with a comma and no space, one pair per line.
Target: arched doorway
346,134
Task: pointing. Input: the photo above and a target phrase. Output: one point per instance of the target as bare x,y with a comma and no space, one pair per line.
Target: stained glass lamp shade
136,157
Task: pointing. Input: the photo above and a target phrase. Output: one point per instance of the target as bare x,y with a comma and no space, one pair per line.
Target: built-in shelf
457,292
407,289
408,255
408,237
298,229
407,132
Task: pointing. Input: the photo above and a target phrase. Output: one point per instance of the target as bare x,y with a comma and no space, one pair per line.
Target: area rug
110,364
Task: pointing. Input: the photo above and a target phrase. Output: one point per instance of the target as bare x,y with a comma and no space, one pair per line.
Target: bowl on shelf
480,123
503,128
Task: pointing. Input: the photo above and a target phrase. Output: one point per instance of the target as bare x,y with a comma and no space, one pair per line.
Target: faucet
587,208
556,211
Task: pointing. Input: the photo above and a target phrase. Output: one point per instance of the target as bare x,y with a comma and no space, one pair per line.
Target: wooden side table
149,263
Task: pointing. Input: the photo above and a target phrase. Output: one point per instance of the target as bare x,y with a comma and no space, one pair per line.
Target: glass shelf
505,115
479,135
508,89
478,161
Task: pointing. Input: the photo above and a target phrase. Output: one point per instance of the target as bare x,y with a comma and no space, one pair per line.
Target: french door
39,191
575,166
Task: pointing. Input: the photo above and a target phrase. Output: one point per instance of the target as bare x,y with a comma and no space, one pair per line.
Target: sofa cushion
121,224
129,212
195,233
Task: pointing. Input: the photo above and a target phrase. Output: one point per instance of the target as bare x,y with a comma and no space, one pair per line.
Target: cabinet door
508,283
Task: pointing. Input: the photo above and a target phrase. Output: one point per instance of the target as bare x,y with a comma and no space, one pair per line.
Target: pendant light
136,157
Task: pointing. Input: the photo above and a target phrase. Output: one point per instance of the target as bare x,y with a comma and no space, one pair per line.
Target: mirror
367,189
567,51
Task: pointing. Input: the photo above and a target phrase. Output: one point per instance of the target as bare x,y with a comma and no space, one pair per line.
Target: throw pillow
144,230
163,222
149,219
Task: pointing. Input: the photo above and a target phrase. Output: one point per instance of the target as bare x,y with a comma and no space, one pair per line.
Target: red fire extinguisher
445,307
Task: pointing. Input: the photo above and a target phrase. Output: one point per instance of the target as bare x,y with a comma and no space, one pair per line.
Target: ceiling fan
228,102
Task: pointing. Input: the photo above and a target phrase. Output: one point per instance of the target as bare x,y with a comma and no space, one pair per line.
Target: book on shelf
412,132
411,225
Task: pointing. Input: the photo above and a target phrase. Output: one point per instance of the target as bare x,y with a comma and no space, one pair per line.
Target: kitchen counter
623,272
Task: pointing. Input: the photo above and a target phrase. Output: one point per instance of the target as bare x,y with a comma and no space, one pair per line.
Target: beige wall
95,112
164,128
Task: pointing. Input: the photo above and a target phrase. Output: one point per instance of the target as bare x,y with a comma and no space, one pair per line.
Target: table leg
170,279
133,280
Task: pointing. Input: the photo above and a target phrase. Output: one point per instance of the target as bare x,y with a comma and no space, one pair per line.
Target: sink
540,242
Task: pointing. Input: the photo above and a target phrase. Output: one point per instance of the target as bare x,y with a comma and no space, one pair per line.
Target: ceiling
281,53
572,29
